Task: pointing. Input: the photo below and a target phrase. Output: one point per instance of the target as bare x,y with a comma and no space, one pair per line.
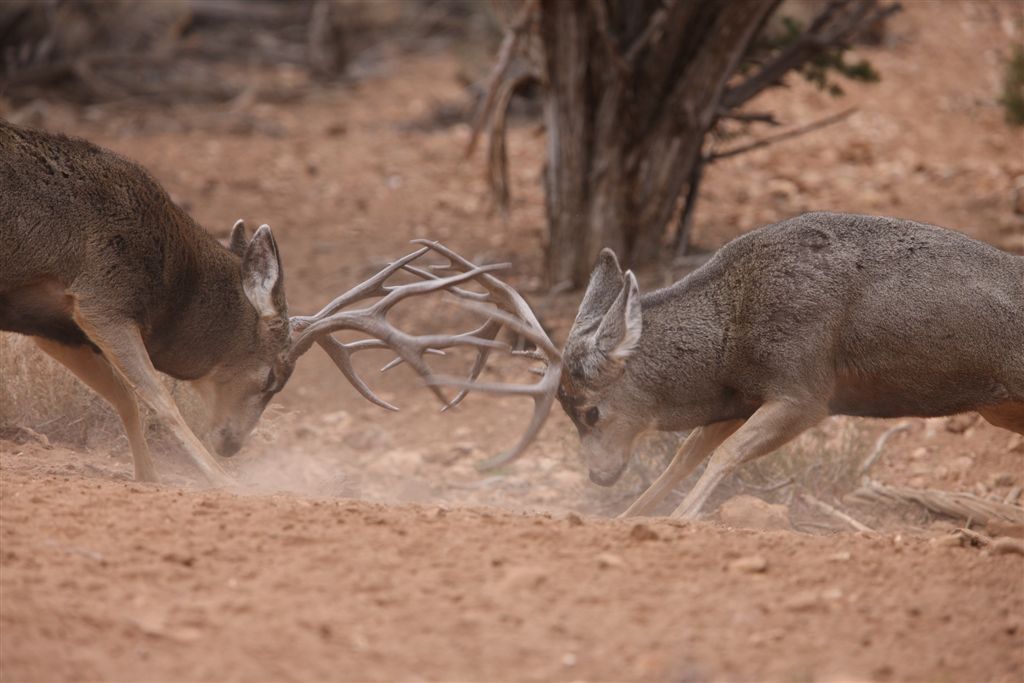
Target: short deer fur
115,281
824,314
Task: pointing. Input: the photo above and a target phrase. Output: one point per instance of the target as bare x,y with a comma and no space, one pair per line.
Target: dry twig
876,452
835,512
772,139
952,504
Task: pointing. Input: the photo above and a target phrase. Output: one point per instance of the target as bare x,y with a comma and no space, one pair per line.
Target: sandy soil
366,546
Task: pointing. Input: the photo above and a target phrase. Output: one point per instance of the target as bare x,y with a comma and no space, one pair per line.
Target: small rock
962,463
843,556
918,453
1007,546
1016,444
642,532
752,564
952,540
803,601
996,528
1002,479
958,424
568,659
748,512
573,519
610,561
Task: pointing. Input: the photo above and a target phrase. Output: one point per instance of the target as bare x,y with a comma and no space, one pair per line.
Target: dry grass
38,393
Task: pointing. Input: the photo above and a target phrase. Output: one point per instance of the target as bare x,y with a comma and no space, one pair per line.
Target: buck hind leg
1006,415
698,444
771,426
122,345
95,372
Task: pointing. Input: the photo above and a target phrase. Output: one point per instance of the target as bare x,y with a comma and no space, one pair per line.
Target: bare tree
633,87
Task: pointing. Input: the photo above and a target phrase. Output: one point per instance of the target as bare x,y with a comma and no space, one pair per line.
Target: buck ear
238,241
619,332
605,283
262,276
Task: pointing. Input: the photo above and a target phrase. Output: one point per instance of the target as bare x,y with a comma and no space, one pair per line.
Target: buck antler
508,309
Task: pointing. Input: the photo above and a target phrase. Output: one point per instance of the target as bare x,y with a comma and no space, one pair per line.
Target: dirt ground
364,545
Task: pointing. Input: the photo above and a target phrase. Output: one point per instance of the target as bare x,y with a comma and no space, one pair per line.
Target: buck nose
228,444
606,478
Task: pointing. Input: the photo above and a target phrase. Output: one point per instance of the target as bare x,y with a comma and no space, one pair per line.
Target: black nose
228,446
602,479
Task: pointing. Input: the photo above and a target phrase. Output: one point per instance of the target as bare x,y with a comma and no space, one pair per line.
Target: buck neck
681,364
203,312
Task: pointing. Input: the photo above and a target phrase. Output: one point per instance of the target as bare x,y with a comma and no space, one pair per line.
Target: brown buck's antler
508,309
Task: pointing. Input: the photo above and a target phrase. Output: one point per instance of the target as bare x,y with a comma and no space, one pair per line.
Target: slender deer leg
774,423
698,444
1008,416
95,372
122,345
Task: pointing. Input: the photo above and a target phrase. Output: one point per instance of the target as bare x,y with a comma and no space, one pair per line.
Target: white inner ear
259,286
633,321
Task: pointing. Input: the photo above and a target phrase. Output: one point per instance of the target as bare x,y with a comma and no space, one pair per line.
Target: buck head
597,392
256,362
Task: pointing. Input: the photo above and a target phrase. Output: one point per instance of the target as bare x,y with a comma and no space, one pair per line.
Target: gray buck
116,282
819,315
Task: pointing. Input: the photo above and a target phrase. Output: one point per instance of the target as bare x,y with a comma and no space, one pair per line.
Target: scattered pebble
749,512
610,561
574,519
1007,546
752,564
642,532
843,556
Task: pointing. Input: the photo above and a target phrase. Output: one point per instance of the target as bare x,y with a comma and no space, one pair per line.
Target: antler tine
489,330
341,357
374,286
507,309
464,293
371,320
542,393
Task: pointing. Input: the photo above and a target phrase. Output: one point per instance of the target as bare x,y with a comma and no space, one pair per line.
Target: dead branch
607,40
949,503
497,154
651,32
835,512
822,34
508,47
876,452
772,139
1012,496
751,117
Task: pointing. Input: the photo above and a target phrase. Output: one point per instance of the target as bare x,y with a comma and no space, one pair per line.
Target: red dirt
384,561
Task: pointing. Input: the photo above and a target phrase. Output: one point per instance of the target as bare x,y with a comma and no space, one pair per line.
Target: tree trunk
633,87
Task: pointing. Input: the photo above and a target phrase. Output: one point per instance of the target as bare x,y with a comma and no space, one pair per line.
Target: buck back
86,219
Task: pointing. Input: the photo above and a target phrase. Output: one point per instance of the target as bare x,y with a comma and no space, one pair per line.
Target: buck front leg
122,345
698,444
95,372
774,423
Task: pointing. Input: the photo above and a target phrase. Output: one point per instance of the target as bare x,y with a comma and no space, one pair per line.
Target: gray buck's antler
502,305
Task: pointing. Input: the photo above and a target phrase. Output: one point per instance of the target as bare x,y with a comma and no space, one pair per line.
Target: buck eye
591,416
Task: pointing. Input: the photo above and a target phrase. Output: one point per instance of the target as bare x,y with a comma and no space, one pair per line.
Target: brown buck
116,282
824,314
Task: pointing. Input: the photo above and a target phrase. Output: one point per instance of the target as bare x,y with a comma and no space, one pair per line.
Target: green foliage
820,68
1013,88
